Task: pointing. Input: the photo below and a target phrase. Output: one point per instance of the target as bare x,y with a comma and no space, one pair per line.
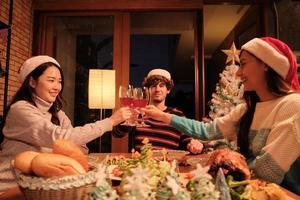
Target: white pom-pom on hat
32,63
160,72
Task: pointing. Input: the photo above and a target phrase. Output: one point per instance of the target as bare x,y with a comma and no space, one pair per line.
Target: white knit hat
160,72
277,55
30,64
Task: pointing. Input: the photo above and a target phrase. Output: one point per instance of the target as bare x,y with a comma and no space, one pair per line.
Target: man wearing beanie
160,135
267,126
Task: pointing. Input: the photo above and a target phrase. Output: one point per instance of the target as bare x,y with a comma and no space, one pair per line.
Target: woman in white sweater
267,126
35,118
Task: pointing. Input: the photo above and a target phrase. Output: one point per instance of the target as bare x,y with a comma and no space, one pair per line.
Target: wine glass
140,100
126,99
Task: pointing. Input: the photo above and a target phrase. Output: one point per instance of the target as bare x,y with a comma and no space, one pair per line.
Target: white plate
171,154
193,161
92,160
110,169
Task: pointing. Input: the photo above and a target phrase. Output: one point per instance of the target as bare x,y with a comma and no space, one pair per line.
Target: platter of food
164,175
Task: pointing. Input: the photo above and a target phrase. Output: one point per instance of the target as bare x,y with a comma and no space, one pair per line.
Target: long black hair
278,87
25,92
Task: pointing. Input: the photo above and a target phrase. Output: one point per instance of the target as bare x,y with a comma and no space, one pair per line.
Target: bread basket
65,188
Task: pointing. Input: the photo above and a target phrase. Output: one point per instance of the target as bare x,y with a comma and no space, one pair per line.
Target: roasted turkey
231,162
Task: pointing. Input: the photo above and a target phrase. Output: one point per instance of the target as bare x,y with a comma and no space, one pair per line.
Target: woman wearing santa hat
35,118
267,126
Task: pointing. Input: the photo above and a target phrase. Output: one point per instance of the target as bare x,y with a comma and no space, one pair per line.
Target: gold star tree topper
232,54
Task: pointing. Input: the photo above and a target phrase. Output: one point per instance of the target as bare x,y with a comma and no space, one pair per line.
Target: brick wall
21,40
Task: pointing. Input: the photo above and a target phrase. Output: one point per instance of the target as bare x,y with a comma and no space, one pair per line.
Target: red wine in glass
140,103
141,99
126,101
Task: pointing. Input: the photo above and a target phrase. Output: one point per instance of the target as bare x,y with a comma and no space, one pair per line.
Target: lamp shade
101,89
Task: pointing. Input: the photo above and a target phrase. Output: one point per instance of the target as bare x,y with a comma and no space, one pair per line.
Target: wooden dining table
16,194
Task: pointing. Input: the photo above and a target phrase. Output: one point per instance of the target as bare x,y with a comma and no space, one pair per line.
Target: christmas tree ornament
232,54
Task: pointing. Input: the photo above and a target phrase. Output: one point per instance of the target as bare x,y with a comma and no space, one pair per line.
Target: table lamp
101,91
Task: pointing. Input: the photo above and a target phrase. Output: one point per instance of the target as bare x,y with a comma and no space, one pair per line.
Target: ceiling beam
235,2
55,5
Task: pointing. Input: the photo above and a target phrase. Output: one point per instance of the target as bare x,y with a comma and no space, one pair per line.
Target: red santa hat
277,55
32,63
160,72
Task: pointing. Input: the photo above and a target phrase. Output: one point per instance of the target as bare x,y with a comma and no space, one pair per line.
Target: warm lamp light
101,89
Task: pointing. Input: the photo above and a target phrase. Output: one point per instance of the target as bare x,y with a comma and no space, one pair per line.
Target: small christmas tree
169,185
137,185
103,190
229,90
170,188
201,185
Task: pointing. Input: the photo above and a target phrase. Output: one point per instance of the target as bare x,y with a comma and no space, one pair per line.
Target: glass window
83,43
165,40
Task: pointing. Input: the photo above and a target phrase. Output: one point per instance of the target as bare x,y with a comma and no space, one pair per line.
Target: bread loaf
72,150
23,161
50,164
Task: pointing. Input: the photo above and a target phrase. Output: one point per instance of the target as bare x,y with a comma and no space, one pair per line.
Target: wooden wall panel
121,65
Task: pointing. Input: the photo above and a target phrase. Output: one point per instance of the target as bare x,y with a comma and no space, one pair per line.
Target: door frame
121,9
